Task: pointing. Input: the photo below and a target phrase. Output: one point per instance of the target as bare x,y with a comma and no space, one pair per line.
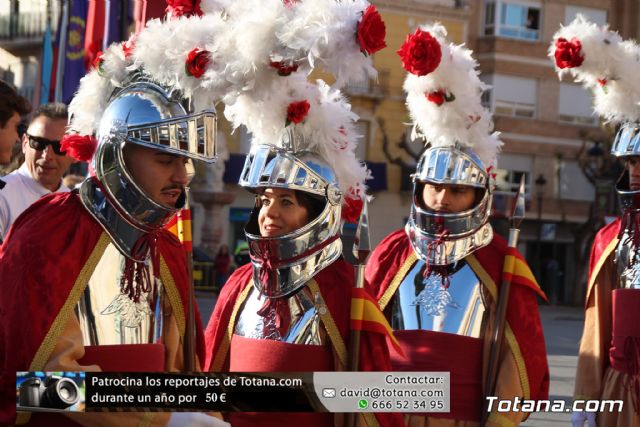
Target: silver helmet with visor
443,238
625,145
147,114
295,257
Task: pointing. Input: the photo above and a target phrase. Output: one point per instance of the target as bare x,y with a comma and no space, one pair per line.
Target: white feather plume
90,100
242,38
328,130
323,32
462,119
610,68
162,50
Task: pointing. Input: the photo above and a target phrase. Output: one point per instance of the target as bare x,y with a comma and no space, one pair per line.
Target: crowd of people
91,279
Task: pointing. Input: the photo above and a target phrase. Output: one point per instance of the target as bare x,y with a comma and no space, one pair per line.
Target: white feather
88,104
323,32
610,68
462,120
328,130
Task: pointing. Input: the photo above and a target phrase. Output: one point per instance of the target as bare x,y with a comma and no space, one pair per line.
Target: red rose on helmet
297,112
351,209
178,8
197,61
371,31
284,69
98,61
568,53
420,53
437,97
80,147
128,47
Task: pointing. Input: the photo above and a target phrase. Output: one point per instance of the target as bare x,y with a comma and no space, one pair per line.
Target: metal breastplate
424,304
627,263
108,317
303,328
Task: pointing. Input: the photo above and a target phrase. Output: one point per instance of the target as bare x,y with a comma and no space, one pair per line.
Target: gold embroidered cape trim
407,265
330,326
501,420
223,350
509,335
49,342
173,294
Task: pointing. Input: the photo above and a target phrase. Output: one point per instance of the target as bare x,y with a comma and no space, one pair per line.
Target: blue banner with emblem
74,49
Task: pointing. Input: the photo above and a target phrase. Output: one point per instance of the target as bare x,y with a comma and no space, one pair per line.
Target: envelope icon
328,392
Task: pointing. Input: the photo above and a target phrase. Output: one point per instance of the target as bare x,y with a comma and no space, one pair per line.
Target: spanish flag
180,226
366,316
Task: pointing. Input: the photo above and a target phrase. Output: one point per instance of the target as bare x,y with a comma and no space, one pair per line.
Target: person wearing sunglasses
44,164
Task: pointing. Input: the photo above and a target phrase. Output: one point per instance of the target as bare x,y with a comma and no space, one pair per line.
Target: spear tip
518,212
361,243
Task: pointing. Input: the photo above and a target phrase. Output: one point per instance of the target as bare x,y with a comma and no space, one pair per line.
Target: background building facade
551,136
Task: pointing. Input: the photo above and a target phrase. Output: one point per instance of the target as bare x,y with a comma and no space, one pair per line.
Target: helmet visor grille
191,136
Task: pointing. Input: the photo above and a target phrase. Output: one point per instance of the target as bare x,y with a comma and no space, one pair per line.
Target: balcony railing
30,23
370,88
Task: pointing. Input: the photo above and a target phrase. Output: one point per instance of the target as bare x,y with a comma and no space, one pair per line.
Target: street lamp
595,155
540,183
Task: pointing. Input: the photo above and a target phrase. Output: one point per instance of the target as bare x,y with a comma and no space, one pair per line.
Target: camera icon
329,392
52,392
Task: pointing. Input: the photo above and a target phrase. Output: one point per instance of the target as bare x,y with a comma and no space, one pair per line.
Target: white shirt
20,191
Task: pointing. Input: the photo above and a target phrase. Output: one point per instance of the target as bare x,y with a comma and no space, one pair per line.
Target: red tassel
80,147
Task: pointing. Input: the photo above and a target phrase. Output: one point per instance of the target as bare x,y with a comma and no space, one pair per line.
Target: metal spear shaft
190,324
517,215
361,251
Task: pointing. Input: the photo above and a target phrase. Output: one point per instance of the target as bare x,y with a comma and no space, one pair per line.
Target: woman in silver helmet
288,312
289,309
437,280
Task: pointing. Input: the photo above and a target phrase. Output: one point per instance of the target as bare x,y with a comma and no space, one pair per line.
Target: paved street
206,301
563,329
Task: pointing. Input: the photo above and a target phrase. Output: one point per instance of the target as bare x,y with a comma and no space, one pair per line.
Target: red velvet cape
522,312
41,259
335,283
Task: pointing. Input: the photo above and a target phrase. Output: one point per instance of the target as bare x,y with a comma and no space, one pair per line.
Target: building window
510,96
575,105
574,185
508,180
513,19
597,16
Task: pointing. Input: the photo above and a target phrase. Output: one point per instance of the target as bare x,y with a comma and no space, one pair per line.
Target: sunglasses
39,143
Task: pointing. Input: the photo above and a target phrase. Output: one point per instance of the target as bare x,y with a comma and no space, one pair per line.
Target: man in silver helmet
607,366
438,279
91,276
